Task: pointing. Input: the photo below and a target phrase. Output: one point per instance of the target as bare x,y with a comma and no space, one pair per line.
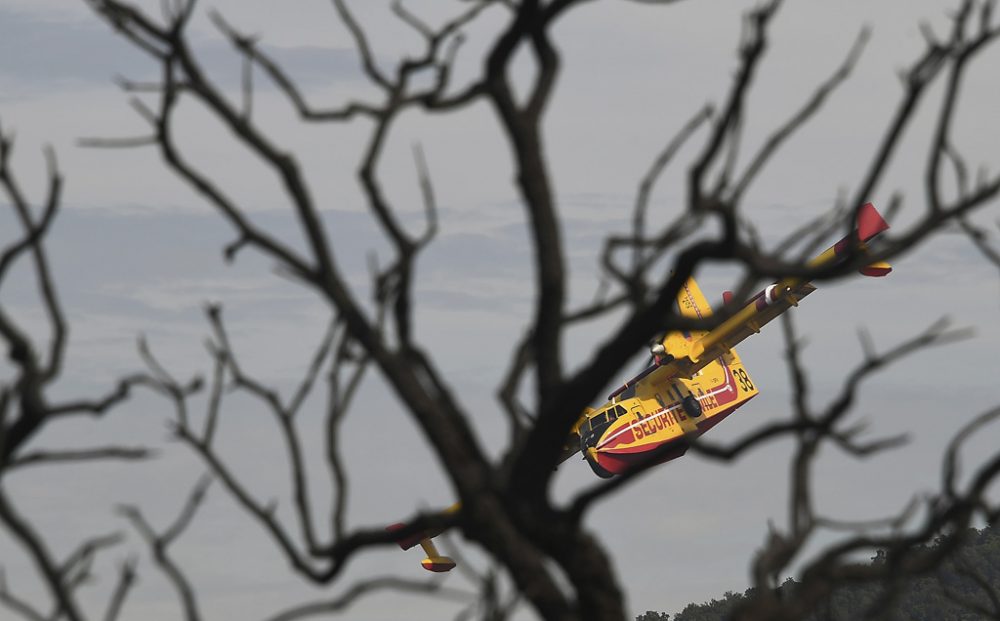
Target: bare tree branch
16,604
126,580
81,455
562,570
52,574
159,544
811,107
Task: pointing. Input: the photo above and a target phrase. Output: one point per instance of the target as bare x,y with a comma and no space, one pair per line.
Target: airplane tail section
869,224
782,295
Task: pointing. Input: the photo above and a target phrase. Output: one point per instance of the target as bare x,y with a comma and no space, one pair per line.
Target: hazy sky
136,252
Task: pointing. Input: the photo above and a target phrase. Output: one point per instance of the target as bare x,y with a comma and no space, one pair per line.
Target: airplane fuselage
654,418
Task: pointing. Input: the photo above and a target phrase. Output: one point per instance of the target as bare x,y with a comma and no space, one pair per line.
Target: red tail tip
870,222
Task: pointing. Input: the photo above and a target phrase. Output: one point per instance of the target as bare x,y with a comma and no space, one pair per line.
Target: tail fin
869,225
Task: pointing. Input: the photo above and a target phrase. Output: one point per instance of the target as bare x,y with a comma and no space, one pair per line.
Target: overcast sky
135,252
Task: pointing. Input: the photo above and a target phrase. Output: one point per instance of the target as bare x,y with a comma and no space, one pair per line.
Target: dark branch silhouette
552,561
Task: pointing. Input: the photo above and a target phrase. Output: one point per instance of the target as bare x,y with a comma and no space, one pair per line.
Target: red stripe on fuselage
617,461
723,395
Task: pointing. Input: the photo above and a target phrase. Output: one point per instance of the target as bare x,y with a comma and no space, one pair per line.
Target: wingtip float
695,381
435,561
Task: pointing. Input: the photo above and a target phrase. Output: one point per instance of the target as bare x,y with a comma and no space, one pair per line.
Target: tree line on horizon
966,587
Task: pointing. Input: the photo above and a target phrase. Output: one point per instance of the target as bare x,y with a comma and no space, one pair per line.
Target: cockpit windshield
595,426
605,417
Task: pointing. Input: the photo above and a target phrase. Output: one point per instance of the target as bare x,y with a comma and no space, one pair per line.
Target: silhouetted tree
556,564
961,588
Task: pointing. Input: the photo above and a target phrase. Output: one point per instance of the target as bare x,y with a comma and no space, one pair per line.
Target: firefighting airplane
695,380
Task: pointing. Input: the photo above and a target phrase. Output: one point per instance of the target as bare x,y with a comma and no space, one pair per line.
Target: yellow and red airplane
696,379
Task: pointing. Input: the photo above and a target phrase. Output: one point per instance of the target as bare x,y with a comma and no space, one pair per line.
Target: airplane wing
572,446
687,353
435,561
759,311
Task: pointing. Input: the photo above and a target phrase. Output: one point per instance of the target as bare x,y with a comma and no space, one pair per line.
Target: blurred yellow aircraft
695,380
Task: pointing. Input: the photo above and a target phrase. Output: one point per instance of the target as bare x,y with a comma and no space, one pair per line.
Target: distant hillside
966,588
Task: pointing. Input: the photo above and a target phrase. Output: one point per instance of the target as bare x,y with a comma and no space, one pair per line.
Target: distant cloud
40,52
184,294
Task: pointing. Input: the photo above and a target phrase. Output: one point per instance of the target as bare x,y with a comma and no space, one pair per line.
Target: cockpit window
597,423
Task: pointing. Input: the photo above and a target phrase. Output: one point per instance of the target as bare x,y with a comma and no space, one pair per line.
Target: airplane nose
590,454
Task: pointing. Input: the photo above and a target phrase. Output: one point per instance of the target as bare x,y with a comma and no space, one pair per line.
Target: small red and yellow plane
696,379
